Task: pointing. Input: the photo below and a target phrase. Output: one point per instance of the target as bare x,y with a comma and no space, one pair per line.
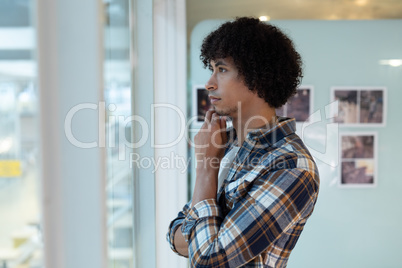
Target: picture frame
200,104
358,160
300,105
360,106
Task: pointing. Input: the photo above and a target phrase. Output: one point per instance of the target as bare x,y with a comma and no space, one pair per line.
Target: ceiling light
392,62
361,2
264,18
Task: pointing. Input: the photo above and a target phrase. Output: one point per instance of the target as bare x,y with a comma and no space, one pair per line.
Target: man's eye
222,70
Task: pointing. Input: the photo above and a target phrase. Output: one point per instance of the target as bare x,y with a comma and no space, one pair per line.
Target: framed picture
360,106
299,106
201,103
358,165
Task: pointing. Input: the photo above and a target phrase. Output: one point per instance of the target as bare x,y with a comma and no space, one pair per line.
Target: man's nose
211,83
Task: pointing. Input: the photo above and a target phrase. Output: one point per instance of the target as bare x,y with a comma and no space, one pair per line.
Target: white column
69,55
170,73
143,98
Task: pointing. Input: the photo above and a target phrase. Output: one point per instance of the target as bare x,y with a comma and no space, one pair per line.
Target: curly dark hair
264,56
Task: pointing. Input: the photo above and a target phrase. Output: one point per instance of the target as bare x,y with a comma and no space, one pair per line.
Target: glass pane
20,235
117,77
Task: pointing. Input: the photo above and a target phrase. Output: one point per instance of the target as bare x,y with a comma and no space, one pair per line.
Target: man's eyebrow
219,63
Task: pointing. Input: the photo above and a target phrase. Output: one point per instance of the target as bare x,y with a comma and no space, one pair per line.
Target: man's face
227,89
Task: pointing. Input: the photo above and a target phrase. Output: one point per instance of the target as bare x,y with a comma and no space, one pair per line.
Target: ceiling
16,13
199,10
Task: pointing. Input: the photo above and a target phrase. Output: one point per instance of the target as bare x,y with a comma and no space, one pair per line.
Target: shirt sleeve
174,225
205,210
275,202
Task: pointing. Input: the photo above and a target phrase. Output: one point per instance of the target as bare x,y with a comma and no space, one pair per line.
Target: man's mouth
213,99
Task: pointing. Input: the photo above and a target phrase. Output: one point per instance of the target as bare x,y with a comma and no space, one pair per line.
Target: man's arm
174,235
208,160
209,150
179,243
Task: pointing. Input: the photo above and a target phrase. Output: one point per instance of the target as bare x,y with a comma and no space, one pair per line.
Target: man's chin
225,113
221,113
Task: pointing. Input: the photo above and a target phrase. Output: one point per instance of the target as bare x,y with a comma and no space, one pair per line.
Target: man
254,189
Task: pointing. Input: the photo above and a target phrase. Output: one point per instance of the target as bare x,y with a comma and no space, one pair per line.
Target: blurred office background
77,83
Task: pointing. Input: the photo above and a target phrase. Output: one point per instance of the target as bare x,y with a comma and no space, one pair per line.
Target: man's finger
215,117
223,128
208,115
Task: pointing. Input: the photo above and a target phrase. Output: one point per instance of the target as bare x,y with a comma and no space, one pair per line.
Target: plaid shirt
261,208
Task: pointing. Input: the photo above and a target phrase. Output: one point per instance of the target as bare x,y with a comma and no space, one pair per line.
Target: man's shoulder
290,152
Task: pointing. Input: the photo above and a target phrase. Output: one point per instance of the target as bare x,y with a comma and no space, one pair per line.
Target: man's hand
209,150
179,242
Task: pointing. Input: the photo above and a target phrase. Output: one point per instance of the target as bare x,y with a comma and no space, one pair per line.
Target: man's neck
246,123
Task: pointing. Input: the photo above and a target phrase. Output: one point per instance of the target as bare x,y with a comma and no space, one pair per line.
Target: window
20,227
119,176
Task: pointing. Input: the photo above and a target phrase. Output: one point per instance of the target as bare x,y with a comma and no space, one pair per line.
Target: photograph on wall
299,106
358,106
372,106
347,106
358,159
201,103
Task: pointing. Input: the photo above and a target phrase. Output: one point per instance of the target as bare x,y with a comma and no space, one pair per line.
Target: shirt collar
268,134
273,132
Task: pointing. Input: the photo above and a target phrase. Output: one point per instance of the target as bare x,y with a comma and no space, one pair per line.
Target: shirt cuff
202,210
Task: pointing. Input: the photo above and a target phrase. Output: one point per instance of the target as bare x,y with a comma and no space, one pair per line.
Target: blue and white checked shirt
261,207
